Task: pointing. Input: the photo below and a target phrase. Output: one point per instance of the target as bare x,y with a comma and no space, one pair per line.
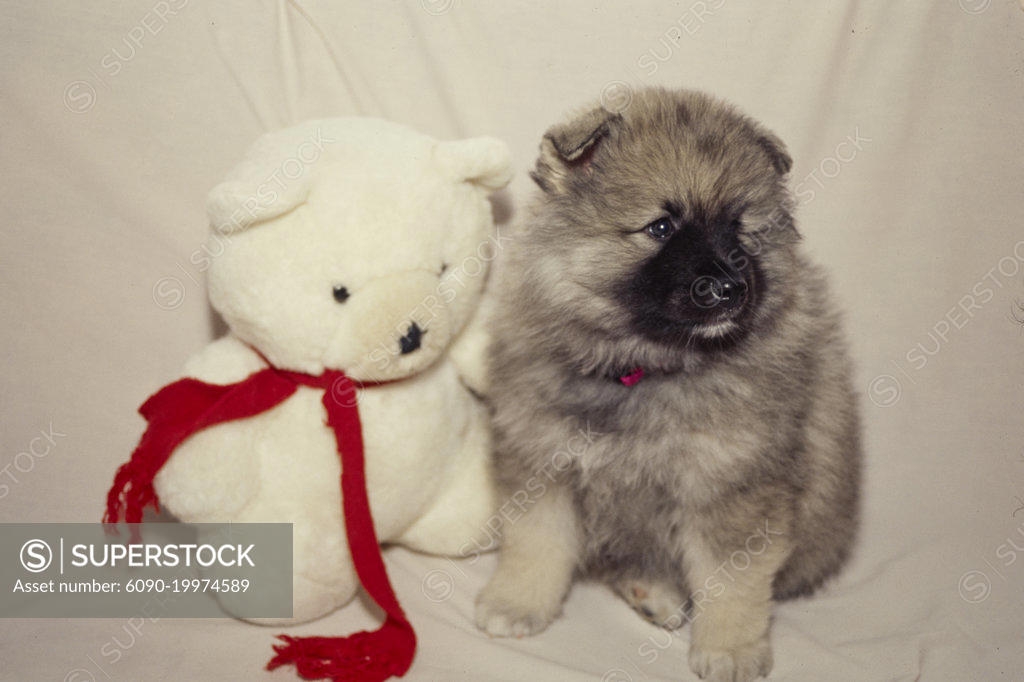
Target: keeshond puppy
672,399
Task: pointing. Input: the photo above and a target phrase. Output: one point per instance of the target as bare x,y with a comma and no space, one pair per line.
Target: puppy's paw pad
503,617
740,664
498,624
657,602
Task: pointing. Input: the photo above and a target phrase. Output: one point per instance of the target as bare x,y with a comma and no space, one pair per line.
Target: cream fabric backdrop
904,119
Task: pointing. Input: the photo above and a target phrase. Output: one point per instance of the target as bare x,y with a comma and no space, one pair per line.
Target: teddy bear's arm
214,474
469,350
225,361
461,520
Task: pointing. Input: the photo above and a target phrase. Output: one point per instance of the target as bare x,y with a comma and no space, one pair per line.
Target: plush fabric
309,211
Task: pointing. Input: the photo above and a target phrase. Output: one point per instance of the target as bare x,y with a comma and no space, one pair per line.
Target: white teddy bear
358,245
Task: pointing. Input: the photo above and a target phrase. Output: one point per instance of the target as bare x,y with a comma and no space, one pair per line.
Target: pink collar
633,377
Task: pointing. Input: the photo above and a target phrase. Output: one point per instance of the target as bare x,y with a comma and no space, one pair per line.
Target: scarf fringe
362,657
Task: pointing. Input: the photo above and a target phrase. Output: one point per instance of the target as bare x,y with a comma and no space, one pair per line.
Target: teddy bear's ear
483,161
256,190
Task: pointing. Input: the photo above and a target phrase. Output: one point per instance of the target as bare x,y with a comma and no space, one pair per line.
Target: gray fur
719,439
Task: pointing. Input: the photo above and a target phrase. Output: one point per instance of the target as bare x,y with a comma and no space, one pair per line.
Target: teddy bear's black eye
444,268
340,294
661,229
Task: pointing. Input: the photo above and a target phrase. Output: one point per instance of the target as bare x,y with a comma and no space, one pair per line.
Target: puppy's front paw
504,609
738,664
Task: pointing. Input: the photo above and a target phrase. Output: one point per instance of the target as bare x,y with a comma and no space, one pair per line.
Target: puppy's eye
340,294
736,223
661,229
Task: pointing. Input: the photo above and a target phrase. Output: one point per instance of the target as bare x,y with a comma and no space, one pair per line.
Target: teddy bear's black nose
411,340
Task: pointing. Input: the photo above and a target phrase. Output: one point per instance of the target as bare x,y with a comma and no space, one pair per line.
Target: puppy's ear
566,148
780,158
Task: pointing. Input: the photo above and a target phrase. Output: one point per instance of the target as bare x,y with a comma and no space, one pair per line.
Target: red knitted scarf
189,405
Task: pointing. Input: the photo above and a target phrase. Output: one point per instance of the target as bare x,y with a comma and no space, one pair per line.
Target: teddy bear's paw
741,663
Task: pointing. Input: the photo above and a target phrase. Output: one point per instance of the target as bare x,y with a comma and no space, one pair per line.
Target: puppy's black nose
411,340
731,291
726,288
